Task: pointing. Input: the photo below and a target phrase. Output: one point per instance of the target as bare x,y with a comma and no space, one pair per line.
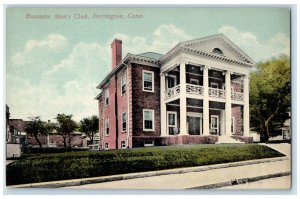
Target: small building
196,93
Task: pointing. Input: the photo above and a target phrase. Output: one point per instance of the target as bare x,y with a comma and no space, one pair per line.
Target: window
214,85
123,84
106,146
171,81
107,127
123,144
148,143
194,81
107,97
172,123
214,123
148,81
148,120
124,126
218,51
232,125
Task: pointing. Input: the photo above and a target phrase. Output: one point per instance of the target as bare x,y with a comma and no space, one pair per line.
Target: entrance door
194,121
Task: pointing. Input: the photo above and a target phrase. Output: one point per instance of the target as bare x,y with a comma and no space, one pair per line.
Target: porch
205,98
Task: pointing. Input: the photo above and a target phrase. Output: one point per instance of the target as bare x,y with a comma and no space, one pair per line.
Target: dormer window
218,51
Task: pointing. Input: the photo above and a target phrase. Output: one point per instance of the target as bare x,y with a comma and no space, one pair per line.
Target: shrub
71,165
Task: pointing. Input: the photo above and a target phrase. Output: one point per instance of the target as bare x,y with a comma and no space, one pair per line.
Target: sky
53,65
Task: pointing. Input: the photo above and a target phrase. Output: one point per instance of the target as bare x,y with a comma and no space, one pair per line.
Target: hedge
72,165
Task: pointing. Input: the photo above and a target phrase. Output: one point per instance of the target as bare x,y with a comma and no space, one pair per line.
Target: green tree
90,126
270,95
36,127
66,125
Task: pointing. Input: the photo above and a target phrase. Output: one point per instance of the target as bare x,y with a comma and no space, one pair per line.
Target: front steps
225,139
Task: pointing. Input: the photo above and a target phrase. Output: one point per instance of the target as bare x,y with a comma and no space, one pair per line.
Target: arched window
218,51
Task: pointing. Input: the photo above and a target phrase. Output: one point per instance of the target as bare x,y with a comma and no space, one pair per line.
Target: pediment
218,45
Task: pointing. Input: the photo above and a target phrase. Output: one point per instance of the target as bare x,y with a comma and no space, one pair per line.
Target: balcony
172,92
215,92
194,89
237,96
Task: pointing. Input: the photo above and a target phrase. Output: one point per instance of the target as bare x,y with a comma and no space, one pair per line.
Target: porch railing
215,92
194,89
171,92
237,96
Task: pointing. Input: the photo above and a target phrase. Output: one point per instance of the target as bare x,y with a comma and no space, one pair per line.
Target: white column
246,106
183,128
228,104
163,106
205,102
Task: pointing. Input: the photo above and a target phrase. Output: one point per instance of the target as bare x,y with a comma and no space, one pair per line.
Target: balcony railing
237,96
94,147
214,92
171,92
194,89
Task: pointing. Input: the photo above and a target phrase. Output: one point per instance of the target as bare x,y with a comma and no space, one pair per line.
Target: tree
270,95
66,125
90,126
37,127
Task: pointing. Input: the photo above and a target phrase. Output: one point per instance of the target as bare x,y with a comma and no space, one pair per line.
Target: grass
72,165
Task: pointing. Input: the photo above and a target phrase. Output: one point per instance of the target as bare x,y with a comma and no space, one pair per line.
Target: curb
83,181
241,181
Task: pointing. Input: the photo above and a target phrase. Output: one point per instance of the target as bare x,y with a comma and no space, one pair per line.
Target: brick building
198,92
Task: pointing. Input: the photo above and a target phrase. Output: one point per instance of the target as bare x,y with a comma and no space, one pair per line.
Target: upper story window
106,97
148,81
214,85
171,81
218,51
123,84
148,120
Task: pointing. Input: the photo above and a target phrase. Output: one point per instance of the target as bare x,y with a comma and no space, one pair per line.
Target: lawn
72,165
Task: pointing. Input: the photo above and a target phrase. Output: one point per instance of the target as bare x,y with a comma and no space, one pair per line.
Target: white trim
153,125
122,121
196,80
121,84
175,80
211,127
124,144
152,73
233,125
168,125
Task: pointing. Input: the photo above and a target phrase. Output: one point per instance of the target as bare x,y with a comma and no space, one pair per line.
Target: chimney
116,50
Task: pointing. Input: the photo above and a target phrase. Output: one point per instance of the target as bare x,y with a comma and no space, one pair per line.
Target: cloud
255,48
68,85
163,38
52,42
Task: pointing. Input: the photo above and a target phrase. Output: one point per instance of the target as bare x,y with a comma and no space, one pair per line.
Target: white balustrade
171,92
214,92
237,96
194,89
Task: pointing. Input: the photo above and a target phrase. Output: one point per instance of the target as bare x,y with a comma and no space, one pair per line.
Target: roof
156,59
151,55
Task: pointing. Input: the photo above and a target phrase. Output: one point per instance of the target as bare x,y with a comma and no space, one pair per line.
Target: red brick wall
109,113
122,107
236,112
145,100
101,122
116,48
129,88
